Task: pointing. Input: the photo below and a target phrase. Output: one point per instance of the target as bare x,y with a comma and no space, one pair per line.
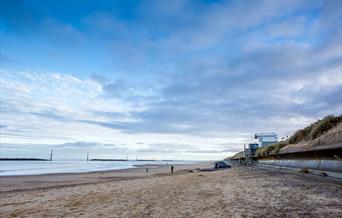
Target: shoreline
14,183
78,171
99,171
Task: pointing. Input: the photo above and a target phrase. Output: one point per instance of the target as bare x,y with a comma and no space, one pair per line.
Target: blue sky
165,79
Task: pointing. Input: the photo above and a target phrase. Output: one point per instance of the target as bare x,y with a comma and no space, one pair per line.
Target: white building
265,139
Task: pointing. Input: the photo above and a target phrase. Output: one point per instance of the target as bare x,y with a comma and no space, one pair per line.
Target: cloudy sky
164,79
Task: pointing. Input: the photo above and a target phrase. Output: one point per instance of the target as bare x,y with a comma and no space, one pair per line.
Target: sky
181,79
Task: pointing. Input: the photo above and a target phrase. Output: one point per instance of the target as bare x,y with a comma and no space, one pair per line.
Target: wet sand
235,192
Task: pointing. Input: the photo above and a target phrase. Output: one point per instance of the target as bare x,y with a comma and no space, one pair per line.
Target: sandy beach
235,192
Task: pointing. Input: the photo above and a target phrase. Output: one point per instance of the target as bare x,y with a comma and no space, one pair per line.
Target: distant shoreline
23,159
125,160
108,160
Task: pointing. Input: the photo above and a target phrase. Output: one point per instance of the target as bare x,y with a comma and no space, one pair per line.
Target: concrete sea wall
317,161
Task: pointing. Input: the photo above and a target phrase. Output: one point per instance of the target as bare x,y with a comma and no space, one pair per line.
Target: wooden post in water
51,155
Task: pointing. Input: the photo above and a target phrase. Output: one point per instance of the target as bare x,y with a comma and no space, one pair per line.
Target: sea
11,168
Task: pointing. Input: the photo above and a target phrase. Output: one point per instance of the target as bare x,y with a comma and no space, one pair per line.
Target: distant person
216,166
146,170
171,168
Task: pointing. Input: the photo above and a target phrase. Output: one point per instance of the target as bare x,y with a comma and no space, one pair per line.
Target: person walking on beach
171,168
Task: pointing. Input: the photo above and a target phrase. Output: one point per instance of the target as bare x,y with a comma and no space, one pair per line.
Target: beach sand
235,192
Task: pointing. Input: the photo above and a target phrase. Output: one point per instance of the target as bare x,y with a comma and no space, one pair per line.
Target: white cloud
185,77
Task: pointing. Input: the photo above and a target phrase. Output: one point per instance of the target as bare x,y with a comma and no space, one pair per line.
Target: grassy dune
322,132
309,133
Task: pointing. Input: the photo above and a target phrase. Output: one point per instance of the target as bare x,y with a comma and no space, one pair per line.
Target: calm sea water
8,168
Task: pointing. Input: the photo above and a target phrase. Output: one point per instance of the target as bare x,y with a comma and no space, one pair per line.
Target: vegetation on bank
274,149
239,155
310,132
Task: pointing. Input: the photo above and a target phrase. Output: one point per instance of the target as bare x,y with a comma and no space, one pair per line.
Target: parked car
222,164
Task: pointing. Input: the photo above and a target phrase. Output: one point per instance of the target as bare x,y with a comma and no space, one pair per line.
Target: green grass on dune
310,132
